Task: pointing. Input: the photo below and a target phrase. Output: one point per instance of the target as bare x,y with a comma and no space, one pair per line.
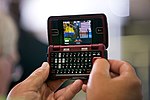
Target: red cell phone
74,41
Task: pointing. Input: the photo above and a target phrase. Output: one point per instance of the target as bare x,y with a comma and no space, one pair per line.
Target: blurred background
128,24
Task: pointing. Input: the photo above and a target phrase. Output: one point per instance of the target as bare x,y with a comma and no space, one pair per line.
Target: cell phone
74,41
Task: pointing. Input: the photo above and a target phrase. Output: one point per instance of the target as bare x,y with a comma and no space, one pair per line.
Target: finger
121,67
51,96
84,87
53,85
38,77
101,68
64,84
70,91
100,74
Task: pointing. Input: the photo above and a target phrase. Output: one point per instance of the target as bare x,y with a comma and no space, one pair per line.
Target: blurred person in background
12,32
28,44
8,50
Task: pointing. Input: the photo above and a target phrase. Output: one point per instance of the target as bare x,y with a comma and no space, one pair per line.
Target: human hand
113,80
35,87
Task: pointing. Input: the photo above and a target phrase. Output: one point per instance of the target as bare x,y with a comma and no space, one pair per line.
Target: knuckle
138,82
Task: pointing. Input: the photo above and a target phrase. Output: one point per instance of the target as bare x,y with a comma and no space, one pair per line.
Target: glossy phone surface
73,43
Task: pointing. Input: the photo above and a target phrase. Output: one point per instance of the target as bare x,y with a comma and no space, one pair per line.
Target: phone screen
77,32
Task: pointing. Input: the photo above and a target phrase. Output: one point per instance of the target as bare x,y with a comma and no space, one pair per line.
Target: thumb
38,77
101,68
98,78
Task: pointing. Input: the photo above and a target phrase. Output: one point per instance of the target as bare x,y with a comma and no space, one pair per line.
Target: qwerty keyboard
72,62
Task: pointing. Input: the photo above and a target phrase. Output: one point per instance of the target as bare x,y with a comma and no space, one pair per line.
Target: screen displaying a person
77,32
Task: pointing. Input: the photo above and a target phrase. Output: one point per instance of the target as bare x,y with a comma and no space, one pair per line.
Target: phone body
74,41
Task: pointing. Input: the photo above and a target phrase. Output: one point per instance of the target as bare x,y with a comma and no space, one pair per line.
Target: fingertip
84,87
77,85
100,68
78,82
99,59
45,65
101,63
73,89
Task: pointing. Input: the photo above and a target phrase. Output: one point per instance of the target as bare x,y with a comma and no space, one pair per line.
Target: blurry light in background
34,15
119,7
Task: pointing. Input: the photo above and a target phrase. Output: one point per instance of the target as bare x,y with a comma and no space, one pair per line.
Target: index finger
54,84
120,67
70,91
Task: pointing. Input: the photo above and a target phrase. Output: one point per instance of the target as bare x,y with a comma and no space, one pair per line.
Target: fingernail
44,65
94,59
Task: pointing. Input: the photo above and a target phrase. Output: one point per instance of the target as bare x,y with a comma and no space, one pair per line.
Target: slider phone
74,41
